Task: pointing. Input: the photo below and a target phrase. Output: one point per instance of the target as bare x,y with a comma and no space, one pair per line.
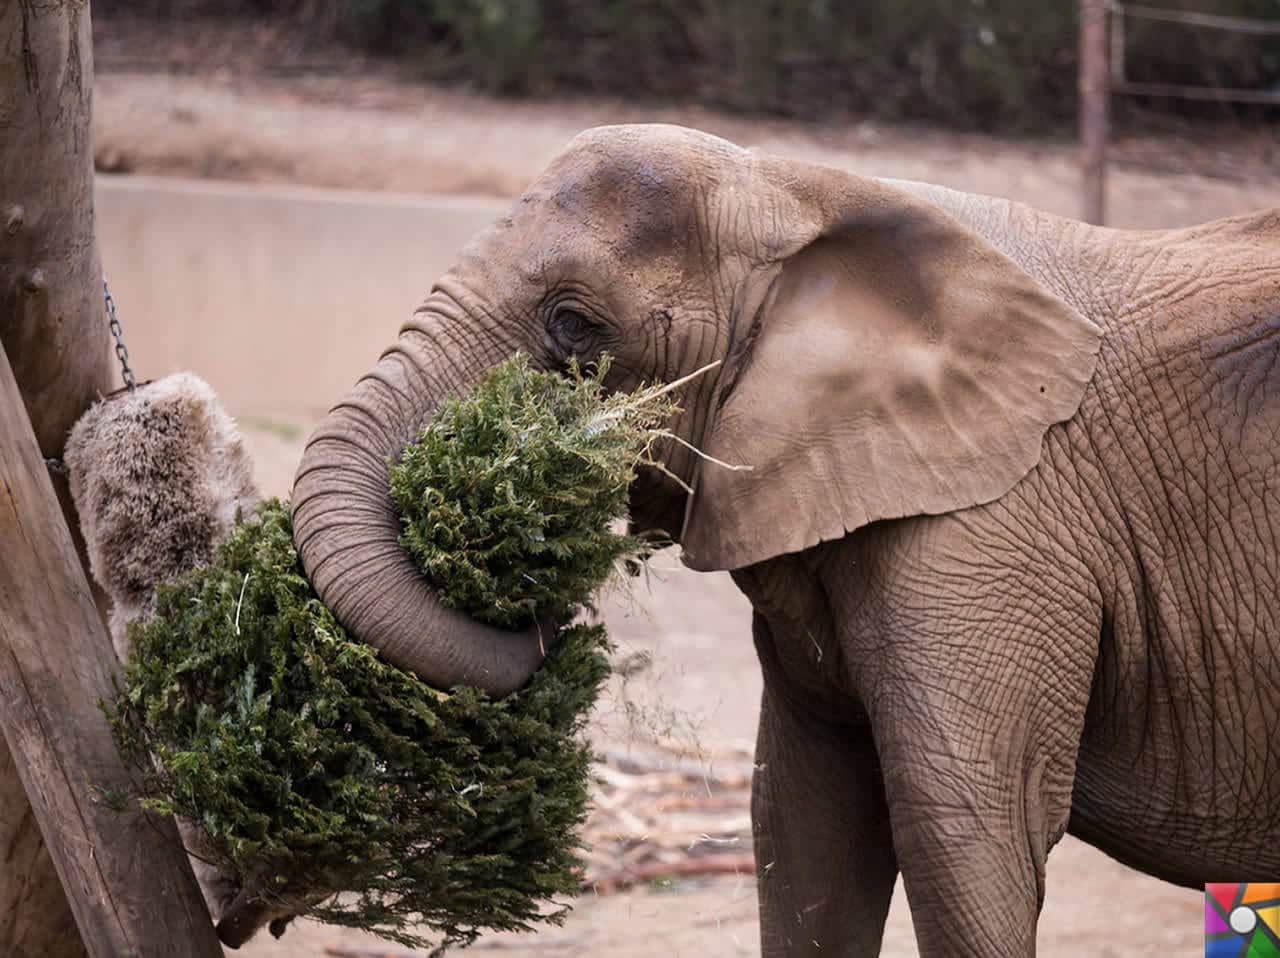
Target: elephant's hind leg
824,852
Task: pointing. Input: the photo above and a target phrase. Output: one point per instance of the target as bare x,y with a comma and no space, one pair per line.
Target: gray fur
158,476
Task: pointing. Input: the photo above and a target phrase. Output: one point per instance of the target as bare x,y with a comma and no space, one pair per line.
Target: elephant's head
878,359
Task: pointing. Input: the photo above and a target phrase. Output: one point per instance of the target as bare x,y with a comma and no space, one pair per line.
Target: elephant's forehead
582,216
648,159
590,190
619,192
617,173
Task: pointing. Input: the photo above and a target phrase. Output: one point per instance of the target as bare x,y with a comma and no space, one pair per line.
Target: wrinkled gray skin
1010,532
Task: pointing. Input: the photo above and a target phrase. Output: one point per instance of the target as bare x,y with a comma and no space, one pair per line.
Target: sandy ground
703,684
375,133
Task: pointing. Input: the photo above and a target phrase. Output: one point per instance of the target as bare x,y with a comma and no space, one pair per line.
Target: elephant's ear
888,362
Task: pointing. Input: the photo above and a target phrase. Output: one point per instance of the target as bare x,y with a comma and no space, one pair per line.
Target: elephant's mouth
656,504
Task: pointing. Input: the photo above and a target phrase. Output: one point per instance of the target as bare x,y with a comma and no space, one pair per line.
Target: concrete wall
279,296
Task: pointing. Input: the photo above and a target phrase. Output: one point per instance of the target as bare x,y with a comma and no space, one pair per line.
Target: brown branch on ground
651,871
658,811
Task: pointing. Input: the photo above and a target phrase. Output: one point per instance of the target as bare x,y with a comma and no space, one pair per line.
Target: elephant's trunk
347,530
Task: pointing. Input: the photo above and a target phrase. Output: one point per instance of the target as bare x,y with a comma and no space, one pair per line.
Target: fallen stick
540,942
663,835
668,781
739,749
714,770
708,803
713,865
348,951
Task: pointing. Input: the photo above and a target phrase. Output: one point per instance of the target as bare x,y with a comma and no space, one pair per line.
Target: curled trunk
347,530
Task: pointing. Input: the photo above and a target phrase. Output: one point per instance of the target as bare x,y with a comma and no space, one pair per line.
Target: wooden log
125,872
35,918
744,865
1095,106
51,324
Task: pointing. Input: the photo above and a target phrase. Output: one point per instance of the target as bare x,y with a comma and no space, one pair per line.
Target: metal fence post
1095,96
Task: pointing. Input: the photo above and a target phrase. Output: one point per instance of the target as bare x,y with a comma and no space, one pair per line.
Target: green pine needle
508,493
313,767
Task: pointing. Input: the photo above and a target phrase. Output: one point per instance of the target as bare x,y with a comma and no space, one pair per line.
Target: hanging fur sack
158,474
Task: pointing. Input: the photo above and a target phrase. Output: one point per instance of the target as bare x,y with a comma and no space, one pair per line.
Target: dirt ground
371,132
376,133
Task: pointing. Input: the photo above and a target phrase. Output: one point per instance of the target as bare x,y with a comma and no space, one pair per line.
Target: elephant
1006,505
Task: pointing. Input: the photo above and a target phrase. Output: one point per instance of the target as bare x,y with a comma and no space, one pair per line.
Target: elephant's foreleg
824,852
978,736
972,875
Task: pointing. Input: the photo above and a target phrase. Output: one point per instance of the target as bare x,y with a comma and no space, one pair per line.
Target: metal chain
55,464
117,332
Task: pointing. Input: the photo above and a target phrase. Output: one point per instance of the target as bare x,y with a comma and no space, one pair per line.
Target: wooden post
35,917
52,324
48,272
1095,103
125,873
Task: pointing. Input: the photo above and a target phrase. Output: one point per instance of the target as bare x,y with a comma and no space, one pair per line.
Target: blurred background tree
976,64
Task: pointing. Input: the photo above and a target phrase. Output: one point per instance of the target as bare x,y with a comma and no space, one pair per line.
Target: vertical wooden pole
130,886
48,267
1095,103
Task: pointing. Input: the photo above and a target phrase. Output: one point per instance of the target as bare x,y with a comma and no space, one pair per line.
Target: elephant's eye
571,329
